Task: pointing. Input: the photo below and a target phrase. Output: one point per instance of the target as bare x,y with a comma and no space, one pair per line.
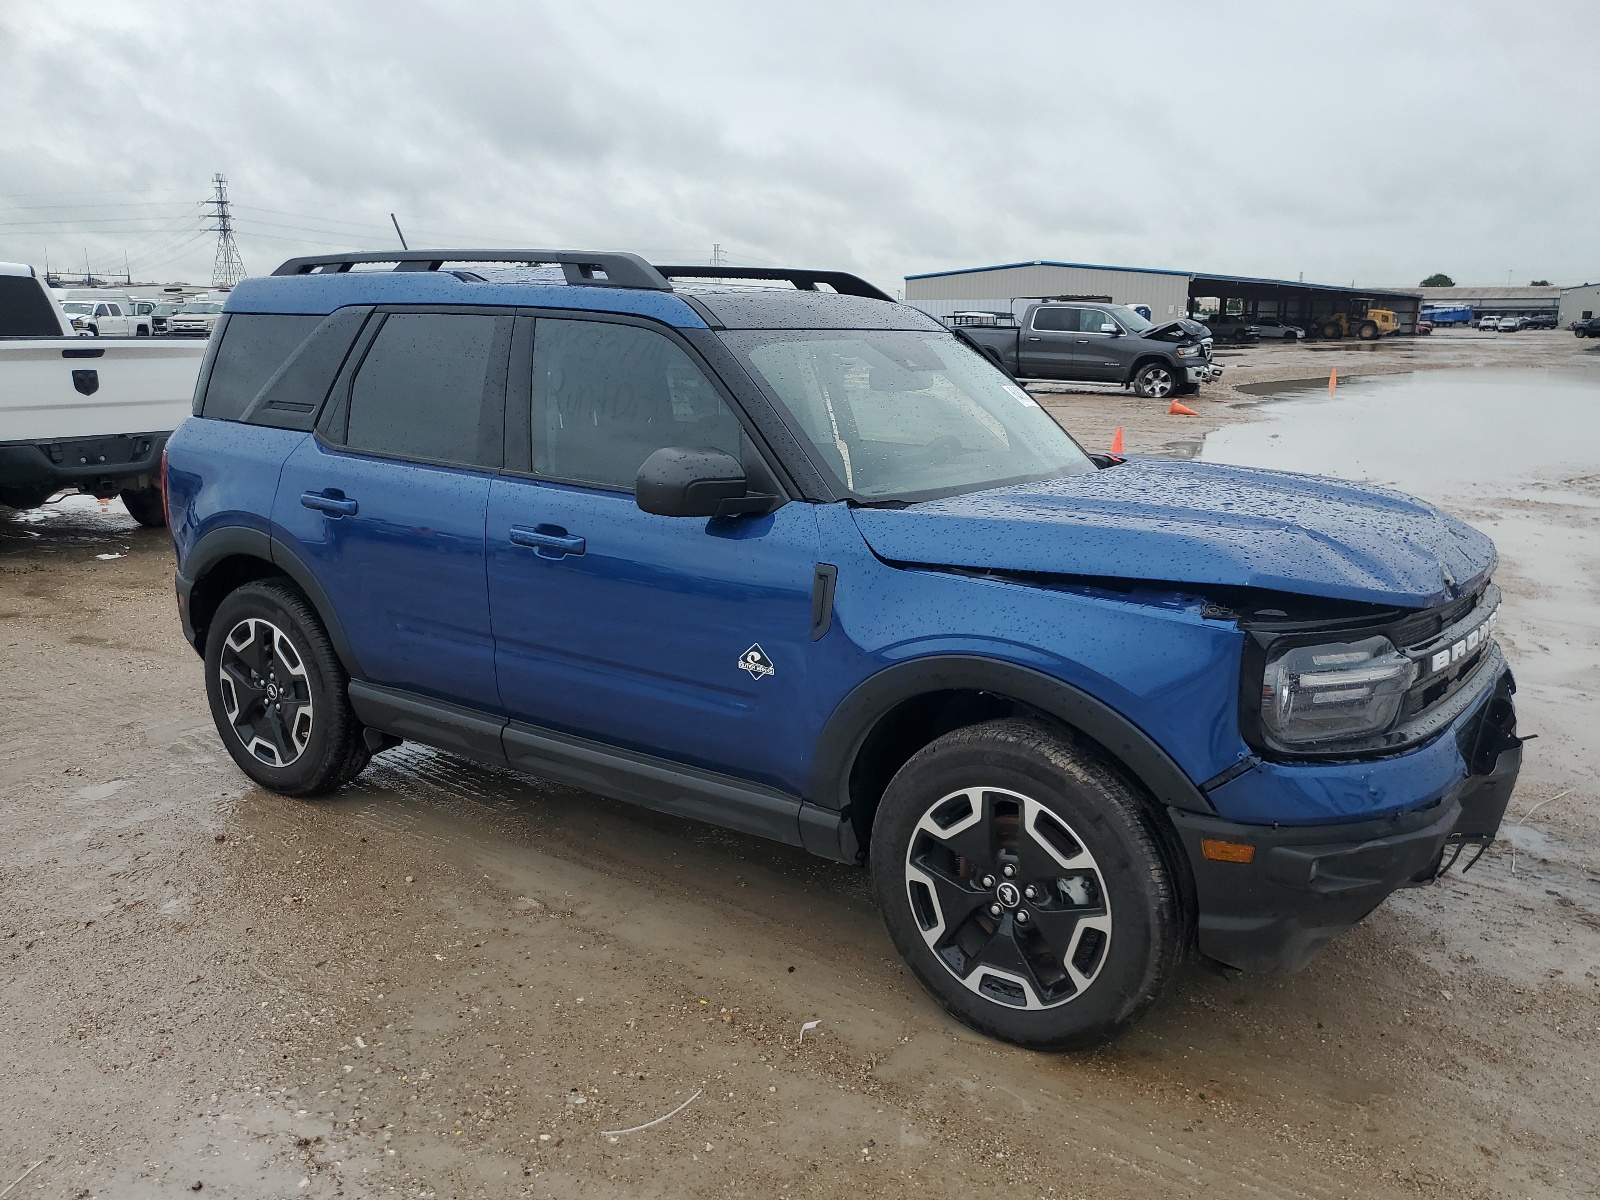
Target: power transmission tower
716,254
228,269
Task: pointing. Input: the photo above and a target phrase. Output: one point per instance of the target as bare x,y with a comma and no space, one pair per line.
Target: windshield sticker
1021,396
755,661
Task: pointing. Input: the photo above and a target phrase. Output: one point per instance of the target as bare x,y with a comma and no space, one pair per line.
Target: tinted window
253,347
1057,320
606,397
426,391
24,310
1093,318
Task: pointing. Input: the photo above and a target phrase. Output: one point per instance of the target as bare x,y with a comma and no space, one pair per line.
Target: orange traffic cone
1116,441
1333,380
1181,410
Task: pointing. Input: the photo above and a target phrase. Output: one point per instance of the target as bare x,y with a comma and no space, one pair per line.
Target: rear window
253,347
24,311
1057,320
428,390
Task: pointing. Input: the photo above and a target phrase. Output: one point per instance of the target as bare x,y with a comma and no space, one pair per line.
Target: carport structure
1303,304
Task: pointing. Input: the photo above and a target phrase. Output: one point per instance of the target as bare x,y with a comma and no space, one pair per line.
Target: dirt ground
452,982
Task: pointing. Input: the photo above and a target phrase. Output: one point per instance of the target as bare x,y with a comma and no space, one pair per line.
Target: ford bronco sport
802,562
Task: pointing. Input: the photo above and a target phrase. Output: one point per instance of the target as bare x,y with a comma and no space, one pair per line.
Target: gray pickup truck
1100,343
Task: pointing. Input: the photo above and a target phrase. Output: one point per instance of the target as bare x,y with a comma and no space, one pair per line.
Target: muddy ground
450,982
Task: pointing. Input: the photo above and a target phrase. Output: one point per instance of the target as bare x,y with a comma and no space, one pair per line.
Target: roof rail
842,282
582,267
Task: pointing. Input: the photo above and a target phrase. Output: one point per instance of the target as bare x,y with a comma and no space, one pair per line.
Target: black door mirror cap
678,481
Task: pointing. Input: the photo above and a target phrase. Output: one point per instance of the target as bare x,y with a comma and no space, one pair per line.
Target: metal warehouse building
1498,301
1168,294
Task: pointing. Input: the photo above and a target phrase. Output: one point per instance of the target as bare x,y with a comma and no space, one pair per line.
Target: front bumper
1203,372
1307,884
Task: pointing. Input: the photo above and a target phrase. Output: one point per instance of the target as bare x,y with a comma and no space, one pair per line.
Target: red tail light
166,514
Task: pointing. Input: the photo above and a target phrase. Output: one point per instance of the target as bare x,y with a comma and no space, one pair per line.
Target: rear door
385,504
684,638
1048,348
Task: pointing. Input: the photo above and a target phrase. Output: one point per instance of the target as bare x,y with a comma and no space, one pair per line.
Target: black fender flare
859,712
229,541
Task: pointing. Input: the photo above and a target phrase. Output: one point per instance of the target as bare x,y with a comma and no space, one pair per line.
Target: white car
195,319
1271,327
106,318
1508,324
1489,323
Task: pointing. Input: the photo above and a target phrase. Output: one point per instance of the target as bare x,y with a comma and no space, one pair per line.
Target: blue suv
800,561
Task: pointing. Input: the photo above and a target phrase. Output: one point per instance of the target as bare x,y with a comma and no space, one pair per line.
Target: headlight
1188,351
1334,692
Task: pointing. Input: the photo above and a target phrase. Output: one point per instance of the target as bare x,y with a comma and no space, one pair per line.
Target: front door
1099,350
1048,346
386,506
683,638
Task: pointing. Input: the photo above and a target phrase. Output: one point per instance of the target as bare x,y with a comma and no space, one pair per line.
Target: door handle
1033,339
330,500
548,541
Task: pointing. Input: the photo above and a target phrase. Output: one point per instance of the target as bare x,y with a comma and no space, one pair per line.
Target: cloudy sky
1349,141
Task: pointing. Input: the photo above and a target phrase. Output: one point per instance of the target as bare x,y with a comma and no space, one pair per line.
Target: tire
142,331
1332,332
268,629
1155,381
1289,337
1368,332
23,498
94,331
144,506
1077,952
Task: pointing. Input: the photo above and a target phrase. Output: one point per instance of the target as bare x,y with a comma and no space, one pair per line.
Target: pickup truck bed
90,413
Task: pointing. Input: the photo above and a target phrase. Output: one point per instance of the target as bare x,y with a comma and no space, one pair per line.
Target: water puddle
1433,432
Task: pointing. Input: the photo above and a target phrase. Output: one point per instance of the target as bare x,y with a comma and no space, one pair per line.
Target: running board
627,775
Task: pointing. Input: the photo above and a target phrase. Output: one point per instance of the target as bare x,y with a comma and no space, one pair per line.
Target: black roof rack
593,268
842,282
587,267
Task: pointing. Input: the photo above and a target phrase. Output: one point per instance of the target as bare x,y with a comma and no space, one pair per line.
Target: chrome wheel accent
266,692
1158,383
1038,957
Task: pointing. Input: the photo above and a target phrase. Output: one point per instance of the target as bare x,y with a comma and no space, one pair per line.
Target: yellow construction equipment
1361,321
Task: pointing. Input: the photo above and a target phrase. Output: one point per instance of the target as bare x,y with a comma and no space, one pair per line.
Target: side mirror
1111,328
679,482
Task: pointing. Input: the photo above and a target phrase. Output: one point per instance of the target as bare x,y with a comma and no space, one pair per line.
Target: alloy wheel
1008,898
266,692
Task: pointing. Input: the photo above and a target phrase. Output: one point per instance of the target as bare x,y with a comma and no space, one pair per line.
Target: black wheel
1368,332
1024,882
142,331
277,692
1155,381
144,506
94,331
1289,337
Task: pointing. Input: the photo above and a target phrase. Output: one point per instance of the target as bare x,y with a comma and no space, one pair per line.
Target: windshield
201,308
78,307
905,415
1131,320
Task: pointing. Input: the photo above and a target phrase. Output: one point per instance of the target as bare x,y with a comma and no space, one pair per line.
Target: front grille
1458,633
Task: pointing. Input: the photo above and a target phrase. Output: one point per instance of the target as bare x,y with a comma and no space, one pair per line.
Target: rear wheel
1369,332
278,692
1022,880
144,506
1155,381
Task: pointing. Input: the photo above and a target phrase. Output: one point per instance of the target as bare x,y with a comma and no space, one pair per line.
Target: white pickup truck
76,412
113,315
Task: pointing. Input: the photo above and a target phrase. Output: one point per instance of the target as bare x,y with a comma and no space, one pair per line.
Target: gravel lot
448,981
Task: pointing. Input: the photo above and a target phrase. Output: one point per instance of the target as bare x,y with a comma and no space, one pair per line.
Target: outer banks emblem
755,661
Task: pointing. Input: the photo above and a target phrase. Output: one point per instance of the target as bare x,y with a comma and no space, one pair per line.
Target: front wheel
1023,881
278,692
144,506
1369,332
1155,381
1289,337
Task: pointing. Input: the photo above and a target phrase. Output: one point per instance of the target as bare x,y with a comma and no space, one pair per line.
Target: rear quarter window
253,347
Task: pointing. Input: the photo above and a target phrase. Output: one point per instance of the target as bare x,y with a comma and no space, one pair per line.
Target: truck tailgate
83,387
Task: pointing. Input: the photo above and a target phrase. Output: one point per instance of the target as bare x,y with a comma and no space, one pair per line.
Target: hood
1199,523
1176,331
